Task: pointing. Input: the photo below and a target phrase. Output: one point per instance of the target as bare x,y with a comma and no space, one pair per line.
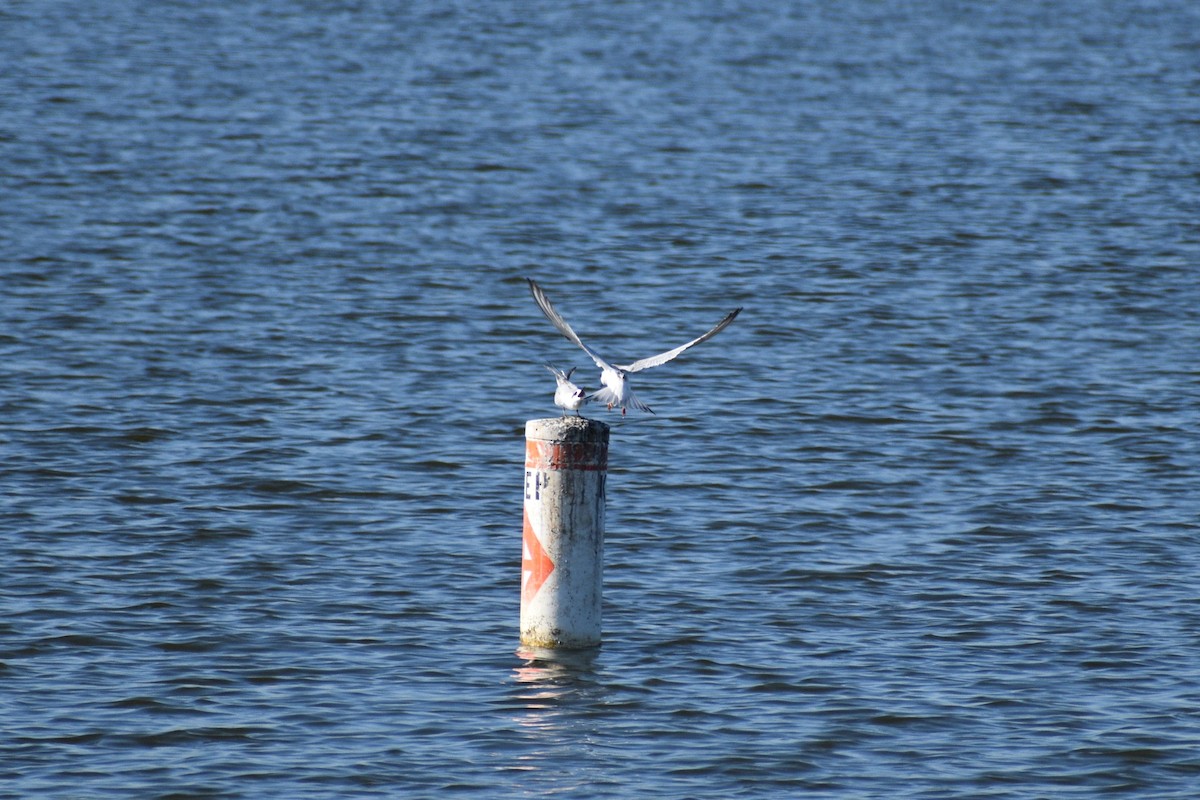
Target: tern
567,396
617,391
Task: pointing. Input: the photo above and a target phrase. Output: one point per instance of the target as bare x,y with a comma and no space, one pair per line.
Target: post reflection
550,684
553,698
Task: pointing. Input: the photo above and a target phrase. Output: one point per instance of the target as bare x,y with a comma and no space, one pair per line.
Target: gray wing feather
558,373
662,358
544,304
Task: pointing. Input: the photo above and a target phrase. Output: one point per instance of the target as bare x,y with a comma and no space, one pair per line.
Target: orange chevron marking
536,566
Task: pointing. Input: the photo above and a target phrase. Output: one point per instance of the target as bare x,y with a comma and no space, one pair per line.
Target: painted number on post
535,481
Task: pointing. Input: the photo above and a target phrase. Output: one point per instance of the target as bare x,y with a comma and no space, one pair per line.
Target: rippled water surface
923,522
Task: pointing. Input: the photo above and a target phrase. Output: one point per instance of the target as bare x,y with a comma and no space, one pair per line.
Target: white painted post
562,564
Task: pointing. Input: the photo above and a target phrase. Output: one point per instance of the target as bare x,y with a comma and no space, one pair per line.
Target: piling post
562,563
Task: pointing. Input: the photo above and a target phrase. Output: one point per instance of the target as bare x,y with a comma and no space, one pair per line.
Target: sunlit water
923,522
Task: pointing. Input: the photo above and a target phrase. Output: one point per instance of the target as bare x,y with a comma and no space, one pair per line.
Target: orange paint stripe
587,456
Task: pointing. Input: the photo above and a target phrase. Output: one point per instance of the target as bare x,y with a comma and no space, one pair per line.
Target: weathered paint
562,559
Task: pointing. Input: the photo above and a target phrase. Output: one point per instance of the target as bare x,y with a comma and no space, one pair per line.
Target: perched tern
567,396
617,392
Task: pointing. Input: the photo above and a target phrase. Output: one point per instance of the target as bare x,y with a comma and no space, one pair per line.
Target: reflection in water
549,678
550,690
543,662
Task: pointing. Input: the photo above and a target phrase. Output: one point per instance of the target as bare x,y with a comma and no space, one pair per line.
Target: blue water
923,522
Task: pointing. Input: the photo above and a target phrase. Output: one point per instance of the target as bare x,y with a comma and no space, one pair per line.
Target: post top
567,429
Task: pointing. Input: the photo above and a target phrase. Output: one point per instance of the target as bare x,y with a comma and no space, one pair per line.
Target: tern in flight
567,396
616,391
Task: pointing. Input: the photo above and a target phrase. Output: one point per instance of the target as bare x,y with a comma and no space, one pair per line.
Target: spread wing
559,374
662,358
544,304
